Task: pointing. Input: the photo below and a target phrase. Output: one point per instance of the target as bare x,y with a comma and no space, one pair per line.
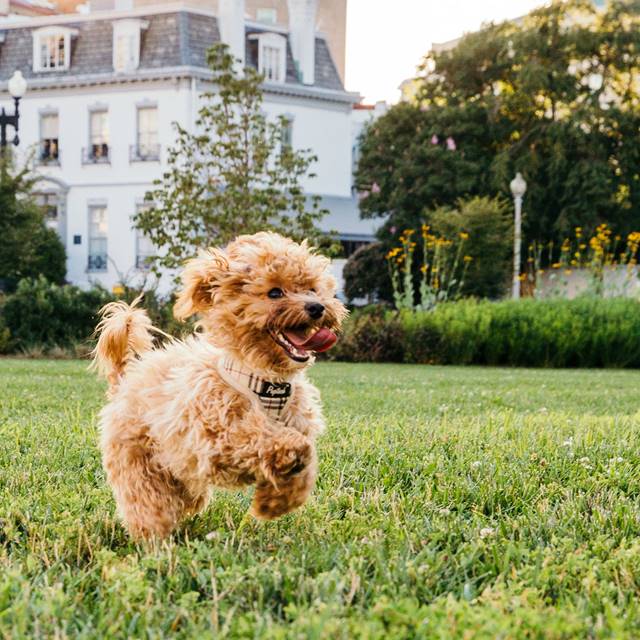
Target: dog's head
266,299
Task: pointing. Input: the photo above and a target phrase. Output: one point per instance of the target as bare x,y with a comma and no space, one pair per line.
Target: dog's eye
312,291
275,293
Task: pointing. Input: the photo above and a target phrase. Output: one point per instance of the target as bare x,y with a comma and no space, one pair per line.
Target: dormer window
272,56
52,49
126,44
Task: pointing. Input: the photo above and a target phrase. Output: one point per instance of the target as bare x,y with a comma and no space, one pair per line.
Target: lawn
452,502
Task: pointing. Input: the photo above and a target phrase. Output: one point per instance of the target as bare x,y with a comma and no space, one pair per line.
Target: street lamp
17,88
518,187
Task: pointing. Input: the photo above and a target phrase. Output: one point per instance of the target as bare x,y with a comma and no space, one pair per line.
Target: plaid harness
273,396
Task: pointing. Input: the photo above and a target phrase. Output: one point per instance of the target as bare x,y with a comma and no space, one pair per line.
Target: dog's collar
272,396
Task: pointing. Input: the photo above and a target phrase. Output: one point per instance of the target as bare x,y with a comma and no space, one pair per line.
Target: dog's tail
124,332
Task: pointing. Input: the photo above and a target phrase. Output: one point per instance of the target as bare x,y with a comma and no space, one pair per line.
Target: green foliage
366,274
451,503
489,225
46,315
28,249
553,96
235,174
43,317
585,332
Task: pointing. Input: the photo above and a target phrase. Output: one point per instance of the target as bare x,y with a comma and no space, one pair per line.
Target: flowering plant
596,256
442,269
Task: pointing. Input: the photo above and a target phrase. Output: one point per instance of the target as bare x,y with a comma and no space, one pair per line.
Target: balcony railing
49,153
97,262
96,154
144,153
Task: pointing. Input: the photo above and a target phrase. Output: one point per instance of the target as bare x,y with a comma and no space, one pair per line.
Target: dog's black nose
314,309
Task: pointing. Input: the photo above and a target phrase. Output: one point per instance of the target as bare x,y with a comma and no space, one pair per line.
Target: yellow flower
467,258
423,268
464,236
556,265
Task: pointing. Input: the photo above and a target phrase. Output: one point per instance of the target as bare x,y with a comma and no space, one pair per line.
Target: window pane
49,126
147,129
60,52
268,16
97,239
99,127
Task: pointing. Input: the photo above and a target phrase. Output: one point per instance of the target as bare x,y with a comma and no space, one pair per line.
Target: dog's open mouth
299,342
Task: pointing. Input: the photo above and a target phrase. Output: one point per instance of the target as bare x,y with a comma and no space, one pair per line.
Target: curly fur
174,428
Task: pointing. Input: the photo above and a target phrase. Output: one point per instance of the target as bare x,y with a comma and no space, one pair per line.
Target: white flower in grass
212,535
444,511
487,532
568,442
475,464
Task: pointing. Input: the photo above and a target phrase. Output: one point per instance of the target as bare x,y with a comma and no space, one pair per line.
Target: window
52,48
48,202
49,138
124,55
145,249
147,147
287,132
126,44
97,238
272,56
98,136
267,16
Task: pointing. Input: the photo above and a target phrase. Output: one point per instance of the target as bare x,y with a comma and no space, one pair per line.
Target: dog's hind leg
150,500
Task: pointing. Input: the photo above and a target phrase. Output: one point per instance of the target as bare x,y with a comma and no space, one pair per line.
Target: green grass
452,502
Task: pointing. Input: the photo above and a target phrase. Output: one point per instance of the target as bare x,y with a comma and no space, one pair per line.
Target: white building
104,88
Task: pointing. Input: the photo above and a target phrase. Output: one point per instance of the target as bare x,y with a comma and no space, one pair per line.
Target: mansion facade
105,87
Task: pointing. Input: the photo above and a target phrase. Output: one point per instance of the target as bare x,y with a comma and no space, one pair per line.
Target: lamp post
17,87
518,187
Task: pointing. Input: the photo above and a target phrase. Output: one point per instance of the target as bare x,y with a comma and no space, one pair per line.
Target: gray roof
172,40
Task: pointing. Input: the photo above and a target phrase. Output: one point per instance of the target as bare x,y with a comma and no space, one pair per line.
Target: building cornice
183,72
71,18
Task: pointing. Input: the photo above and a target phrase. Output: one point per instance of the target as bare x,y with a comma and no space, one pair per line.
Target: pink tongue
321,340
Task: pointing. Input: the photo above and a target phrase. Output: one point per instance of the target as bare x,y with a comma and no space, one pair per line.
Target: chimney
231,23
302,30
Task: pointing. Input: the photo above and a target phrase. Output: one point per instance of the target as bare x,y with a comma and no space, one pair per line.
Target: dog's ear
200,278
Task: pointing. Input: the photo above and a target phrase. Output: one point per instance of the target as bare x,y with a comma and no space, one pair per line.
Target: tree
554,96
236,173
28,248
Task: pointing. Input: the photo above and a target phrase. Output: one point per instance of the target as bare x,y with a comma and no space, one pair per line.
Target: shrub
46,315
489,225
372,334
366,274
585,332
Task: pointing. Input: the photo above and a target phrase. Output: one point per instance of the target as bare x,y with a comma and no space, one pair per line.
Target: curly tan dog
230,406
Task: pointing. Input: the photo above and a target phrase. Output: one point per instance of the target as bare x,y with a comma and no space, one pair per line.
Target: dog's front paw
271,502
287,456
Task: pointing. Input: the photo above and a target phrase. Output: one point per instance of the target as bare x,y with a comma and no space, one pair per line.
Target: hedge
43,317
585,332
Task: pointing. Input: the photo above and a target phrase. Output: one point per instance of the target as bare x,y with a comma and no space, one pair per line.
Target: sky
386,39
